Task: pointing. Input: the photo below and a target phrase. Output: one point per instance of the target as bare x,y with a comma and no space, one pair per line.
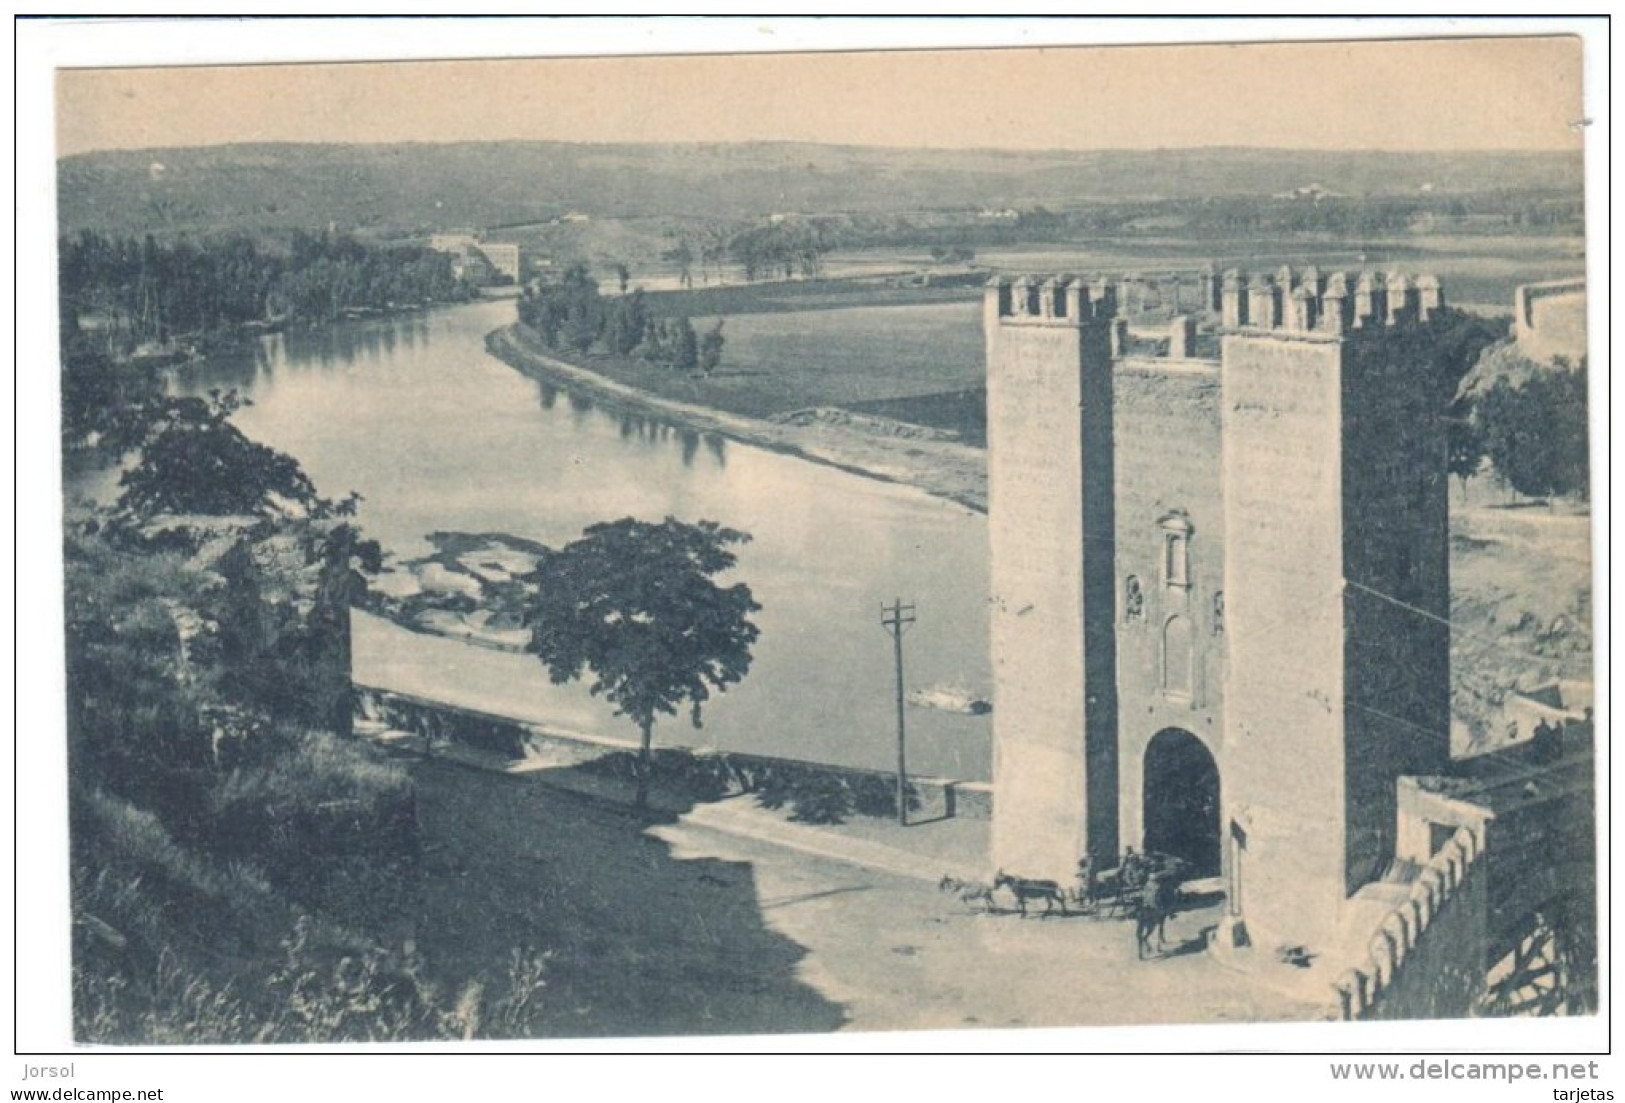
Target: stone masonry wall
516,740
1167,434
1549,320
1397,599
1049,489
1282,770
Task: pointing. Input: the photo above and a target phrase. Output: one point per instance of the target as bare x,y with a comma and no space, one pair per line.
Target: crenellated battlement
1179,491
1333,304
1050,300
1308,301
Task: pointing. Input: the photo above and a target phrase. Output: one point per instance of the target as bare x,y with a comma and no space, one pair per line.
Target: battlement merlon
1050,300
1309,302
1329,305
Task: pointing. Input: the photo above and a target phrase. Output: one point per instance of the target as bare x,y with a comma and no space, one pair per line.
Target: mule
1027,888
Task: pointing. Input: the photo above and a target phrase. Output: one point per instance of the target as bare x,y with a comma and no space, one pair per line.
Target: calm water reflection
437,435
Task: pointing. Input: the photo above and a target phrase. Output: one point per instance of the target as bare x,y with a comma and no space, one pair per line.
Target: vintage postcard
801,543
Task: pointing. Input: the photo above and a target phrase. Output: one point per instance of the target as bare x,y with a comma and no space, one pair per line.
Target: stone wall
1283,768
519,741
1170,649
1426,956
1050,457
1549,320
1396,598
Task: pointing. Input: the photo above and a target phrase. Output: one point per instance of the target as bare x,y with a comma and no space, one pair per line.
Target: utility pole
896,618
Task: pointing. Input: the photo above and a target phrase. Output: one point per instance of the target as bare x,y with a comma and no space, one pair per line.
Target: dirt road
673,928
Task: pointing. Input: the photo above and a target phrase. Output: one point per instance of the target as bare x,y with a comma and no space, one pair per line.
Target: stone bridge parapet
1411,932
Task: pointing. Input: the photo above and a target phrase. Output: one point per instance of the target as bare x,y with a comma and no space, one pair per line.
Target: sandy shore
947,469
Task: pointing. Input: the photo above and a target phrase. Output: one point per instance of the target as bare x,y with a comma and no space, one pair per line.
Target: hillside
491,184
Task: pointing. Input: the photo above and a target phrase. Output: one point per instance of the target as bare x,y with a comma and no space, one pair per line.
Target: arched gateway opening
1181,800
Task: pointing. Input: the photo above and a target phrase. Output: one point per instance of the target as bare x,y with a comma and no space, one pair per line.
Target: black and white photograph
634,544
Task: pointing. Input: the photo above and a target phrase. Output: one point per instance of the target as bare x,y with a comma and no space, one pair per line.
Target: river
436,435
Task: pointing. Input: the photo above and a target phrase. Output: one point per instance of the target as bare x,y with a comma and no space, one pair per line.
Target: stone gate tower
1220,582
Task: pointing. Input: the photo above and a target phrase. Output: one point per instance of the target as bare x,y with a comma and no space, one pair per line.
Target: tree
711,349
633,604
687,357
683,257
98,398
194,461
1466,443
1535,434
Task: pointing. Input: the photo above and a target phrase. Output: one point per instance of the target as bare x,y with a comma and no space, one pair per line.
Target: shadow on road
640,943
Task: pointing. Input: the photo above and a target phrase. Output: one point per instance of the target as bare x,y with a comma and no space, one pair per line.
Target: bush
316,993
812,793
697,777
141,887
877,796
324,799
817,794
819,798
173,948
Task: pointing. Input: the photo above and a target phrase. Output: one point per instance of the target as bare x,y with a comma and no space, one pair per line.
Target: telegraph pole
896,618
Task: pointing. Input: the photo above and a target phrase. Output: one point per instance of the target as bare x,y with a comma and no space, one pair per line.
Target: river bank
867,446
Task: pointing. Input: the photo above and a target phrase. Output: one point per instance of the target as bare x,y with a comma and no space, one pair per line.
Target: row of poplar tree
155,290
572,314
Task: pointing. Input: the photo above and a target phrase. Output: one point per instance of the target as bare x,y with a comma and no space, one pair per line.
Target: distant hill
412,186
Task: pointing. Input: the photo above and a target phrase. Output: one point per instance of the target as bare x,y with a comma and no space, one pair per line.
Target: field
865,340
778,362
853,355
1481,270
915,353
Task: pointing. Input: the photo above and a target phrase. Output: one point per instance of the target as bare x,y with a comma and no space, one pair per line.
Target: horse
1156,906
1026,888
971,892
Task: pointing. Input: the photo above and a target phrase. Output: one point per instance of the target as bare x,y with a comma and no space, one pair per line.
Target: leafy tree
711,349
634,604
1535,434
98,399
574,314
623,327
150,291
1466,443
583,308
682,255
193,460
687,357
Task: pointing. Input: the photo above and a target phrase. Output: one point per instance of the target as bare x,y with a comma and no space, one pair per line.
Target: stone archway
1181,800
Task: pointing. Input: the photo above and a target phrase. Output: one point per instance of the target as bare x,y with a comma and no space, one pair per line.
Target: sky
1478,93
